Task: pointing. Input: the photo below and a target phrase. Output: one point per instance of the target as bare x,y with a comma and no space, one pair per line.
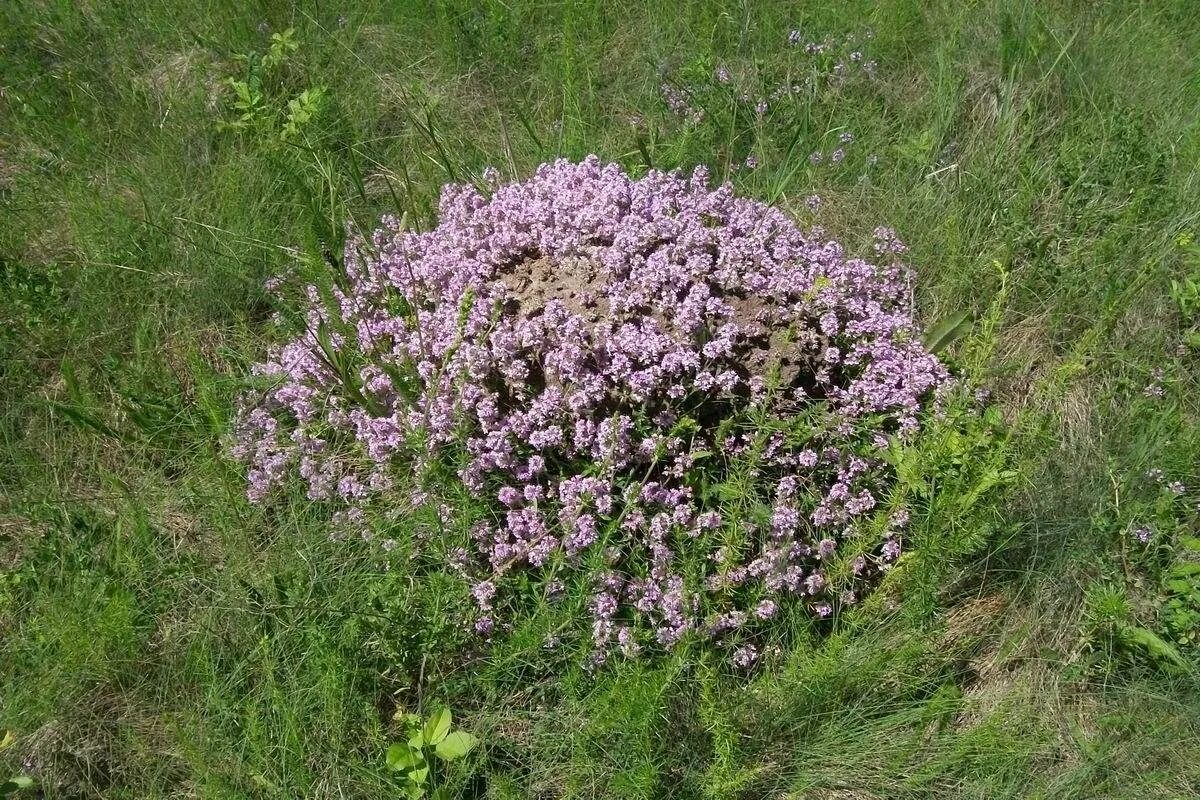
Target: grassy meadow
161,637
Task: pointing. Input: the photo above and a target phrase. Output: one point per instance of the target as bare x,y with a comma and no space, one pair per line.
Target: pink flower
575,421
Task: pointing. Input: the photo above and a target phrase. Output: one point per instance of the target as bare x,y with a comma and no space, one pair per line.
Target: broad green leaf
455,746
419,775
7,740
947,331
402,756
437,726
1179,586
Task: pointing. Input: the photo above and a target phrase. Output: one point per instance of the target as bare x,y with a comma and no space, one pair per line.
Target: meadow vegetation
163,635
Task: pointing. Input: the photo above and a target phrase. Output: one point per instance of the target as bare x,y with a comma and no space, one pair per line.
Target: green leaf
437,726
1179,586
1184,569
1153,645
455,746
402,756
948,331
419,775
15,785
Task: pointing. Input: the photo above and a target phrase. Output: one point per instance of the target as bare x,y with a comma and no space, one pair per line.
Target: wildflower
744,657
1176,488
483,592
1143,533
722,74
766,609
793,37
628,643
562,412
751,162
891,549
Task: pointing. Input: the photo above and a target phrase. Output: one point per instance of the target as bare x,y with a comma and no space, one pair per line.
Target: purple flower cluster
688,335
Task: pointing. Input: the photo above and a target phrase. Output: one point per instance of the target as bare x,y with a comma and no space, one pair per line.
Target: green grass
160,637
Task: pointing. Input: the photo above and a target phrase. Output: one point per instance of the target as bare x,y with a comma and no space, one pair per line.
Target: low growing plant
428,740
664,398
257,103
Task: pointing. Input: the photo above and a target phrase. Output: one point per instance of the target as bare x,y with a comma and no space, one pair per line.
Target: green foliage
163,639
1112,635
1185,290
258,104
411,758
1180,607
14,785
33,296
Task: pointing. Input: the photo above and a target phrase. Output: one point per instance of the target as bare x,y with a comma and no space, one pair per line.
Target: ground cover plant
487,473
587,340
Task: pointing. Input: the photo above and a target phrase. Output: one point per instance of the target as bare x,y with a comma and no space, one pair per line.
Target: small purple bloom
766,609
744,657
891,550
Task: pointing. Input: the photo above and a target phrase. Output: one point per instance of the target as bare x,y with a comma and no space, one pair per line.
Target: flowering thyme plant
666,396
